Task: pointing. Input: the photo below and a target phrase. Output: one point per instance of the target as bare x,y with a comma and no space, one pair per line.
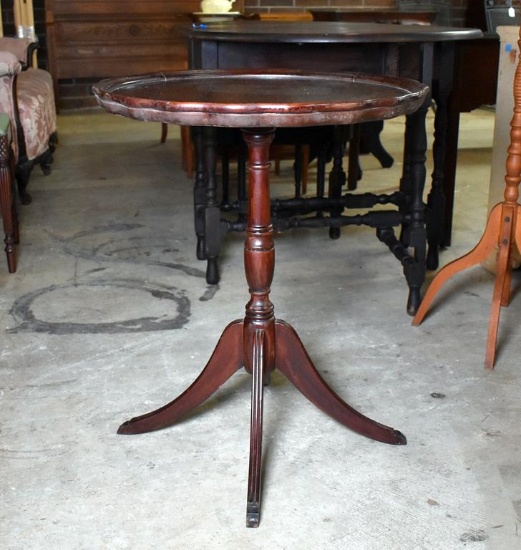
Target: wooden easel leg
495,309
502,230
501,294
478,254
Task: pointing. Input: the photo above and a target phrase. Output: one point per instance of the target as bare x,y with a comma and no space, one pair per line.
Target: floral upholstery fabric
36,110
9,64
17,46
9,68
34,93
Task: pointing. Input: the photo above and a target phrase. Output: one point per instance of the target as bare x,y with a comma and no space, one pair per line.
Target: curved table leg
293,361
226,359
257,395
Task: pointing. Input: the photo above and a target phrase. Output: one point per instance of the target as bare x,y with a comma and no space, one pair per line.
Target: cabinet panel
101,38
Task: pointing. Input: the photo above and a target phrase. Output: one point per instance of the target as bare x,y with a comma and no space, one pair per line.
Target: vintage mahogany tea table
258,102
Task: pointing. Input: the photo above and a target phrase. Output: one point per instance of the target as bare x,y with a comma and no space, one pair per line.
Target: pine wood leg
501,292
502,230
495,309
475,256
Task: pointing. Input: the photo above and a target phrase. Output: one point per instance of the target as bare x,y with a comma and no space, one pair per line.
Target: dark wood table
425,53
258,103
475,83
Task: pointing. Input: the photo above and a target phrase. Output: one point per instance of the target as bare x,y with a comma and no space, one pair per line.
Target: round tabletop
325,32
266,98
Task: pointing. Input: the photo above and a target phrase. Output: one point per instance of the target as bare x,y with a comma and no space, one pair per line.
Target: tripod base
502,231
293,361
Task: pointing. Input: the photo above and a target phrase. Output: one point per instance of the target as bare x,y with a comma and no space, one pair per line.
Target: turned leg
411,208
199,195
212,212
436,197
337,178
259,321
416,144
7,202
439,204
354,172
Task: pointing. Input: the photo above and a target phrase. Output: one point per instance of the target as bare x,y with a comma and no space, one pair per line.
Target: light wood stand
502,231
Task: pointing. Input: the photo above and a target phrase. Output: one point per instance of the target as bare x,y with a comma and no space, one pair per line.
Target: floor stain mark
474,536
23,309
113,242
209,293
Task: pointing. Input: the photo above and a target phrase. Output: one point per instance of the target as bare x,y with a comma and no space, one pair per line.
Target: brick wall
462,10
288,5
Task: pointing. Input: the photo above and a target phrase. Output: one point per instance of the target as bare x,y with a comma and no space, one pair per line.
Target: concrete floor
109,316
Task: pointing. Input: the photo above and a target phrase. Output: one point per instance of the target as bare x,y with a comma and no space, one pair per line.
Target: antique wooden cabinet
90,39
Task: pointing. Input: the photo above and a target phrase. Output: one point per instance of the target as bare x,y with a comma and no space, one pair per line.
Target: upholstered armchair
27,97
